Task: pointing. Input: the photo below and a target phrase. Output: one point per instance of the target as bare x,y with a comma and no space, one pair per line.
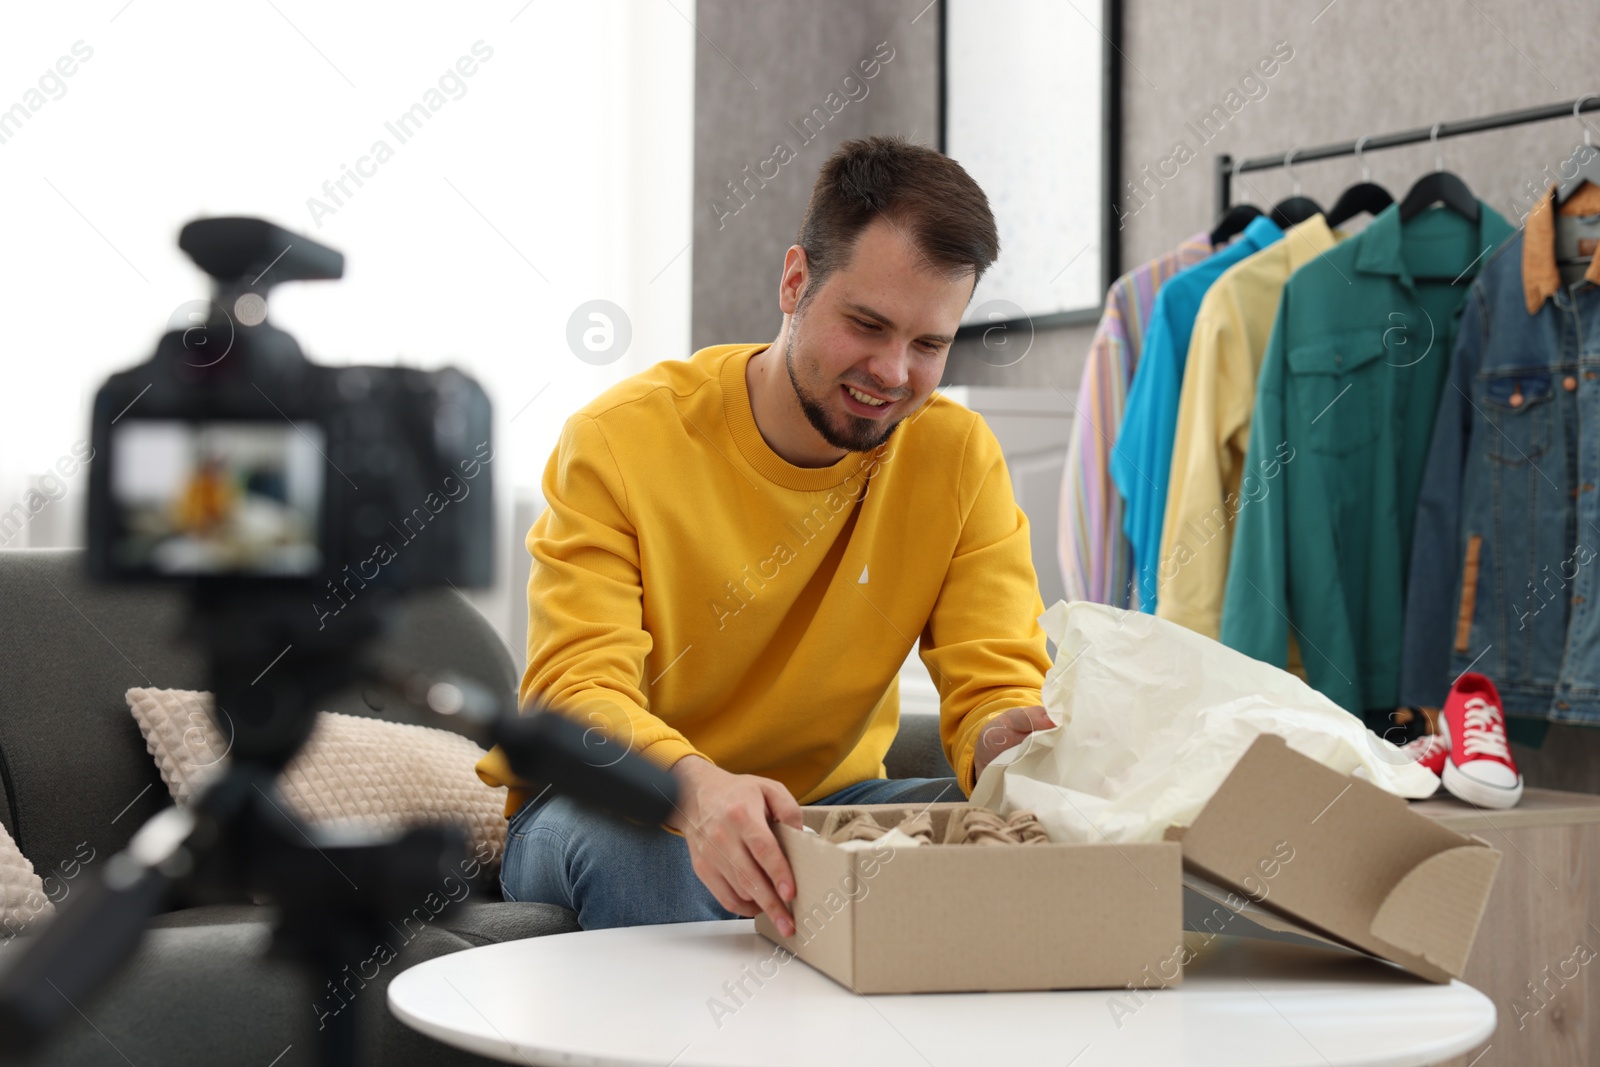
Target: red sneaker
1430,750
1479,768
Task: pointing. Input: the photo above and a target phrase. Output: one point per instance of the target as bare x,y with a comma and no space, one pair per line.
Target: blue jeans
616,873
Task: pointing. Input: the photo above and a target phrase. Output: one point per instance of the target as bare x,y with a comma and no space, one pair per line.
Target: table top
718,994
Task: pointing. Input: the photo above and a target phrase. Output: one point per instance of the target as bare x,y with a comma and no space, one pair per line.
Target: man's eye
866,325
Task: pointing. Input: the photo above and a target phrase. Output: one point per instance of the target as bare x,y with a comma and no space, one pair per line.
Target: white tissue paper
1151,718
892,838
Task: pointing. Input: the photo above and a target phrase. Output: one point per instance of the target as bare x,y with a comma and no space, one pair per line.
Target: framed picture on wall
1029,111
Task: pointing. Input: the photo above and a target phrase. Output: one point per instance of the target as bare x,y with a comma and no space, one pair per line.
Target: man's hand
725,819
1005,730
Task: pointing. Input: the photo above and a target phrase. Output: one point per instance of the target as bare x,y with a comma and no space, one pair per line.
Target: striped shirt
1096,563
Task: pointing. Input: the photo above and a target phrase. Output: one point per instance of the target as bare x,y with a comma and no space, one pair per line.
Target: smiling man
741,549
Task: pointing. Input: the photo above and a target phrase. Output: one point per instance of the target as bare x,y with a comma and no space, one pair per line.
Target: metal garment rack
1227,166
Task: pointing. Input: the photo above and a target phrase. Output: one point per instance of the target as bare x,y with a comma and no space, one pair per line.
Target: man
741,549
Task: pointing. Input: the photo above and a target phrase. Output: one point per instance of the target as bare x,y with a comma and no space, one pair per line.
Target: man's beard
857,435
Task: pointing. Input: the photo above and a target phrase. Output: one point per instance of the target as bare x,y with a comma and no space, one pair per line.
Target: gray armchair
78,782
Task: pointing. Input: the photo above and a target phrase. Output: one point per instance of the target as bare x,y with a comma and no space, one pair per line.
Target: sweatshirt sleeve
586,640
1431,590
983,644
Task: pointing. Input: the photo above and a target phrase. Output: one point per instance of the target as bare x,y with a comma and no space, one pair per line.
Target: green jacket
1343,416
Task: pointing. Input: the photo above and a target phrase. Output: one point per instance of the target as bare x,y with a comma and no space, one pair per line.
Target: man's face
882,325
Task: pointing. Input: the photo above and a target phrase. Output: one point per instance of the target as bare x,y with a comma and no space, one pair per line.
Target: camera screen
219,497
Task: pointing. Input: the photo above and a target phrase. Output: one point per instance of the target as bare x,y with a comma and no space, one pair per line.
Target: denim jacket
1505,565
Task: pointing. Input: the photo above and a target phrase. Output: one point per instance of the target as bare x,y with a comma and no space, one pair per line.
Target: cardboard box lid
1343,860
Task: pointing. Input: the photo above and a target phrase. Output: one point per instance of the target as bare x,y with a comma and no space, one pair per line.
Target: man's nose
889,365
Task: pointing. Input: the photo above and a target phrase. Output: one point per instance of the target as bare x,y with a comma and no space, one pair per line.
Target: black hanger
1364,196
1235,219
1440,187
1233,223
1296,209
1588,166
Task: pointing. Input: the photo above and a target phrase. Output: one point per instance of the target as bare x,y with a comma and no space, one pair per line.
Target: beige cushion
352,770
22,898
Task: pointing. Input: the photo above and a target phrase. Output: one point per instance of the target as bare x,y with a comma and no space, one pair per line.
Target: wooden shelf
1539,807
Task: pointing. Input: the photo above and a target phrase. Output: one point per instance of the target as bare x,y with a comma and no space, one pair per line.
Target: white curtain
512,161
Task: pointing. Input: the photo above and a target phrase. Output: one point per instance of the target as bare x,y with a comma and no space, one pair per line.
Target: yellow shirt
1207,488
694,592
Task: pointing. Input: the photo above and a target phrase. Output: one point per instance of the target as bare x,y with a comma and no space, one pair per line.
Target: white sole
1473,791
1460,786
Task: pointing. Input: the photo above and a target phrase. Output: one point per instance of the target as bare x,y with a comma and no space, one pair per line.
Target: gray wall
761,65
1364,66
1359,66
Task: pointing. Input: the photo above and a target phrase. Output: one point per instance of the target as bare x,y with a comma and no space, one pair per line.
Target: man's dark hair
923,193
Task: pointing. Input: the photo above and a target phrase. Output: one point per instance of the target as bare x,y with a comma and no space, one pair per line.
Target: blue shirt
1141,460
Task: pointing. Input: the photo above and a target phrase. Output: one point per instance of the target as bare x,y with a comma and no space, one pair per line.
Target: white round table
718,994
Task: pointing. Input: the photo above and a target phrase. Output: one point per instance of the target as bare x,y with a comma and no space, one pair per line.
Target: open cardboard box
1325,855
963,918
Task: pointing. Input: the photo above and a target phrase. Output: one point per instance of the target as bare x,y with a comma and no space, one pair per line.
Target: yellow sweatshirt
693,592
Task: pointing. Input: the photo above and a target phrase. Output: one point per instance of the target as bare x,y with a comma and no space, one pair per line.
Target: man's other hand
726,819
1005,730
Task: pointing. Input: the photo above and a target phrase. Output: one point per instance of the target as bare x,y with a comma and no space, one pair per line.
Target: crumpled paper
892,837
1151,718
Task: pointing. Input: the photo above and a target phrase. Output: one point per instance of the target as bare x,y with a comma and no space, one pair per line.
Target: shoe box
1285,842
973,918
1298,847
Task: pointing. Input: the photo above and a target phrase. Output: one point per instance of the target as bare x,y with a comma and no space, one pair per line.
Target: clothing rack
1227,167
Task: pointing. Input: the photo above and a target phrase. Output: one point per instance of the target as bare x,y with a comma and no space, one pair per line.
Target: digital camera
230,459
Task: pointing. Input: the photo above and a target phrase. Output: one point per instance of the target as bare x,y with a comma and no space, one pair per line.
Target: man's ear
796,273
